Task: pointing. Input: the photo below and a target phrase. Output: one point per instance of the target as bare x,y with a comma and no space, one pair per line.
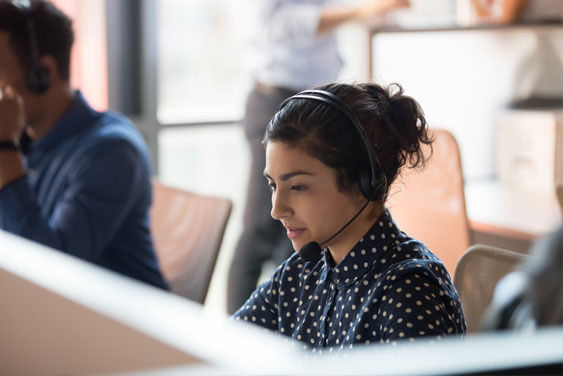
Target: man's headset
368,183
38,78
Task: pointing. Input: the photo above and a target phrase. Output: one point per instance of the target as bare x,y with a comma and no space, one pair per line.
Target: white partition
503,353
62,316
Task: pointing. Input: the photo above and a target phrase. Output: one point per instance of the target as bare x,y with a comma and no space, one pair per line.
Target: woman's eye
298,188
271,187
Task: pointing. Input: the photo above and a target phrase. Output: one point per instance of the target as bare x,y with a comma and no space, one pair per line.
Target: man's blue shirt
87,192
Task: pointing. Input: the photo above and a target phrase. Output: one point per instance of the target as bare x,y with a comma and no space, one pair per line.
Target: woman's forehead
282,153
282,158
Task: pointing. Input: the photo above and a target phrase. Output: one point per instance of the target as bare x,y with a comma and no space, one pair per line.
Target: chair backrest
559,192
476,276
559,163
187,230
429,204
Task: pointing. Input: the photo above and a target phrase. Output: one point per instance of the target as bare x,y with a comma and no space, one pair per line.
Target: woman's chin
296,245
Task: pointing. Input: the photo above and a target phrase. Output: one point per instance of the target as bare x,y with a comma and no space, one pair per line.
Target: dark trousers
263,238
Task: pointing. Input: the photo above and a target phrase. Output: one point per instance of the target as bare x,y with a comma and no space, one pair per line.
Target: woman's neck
344,242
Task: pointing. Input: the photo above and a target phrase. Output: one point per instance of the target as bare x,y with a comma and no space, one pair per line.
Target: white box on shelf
527,149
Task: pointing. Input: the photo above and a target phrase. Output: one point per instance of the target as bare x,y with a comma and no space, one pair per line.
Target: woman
331,155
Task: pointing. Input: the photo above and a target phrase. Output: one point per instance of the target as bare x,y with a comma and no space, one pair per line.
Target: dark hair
393,122
52,31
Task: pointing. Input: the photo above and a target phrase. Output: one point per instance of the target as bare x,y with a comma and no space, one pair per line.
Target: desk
497,210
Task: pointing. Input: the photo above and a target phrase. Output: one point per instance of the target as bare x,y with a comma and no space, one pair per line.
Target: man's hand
370,9
12,117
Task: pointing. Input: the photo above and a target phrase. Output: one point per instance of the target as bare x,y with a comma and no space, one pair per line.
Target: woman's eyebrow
289,175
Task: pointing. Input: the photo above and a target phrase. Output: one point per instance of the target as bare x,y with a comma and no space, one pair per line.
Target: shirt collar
78,117
372,251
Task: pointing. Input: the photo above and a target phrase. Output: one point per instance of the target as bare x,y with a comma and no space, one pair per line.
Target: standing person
71,178
331,155
293,47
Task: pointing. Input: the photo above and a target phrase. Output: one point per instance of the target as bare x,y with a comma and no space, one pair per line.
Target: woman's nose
280,209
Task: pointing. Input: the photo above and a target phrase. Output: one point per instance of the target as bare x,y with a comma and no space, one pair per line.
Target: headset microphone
311,252
368,184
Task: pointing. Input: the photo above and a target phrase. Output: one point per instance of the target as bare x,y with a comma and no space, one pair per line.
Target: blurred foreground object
532,296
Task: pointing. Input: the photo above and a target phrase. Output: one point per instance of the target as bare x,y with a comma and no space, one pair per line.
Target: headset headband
37,76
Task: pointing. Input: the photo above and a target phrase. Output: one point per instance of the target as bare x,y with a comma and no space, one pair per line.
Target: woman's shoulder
423,269
410,257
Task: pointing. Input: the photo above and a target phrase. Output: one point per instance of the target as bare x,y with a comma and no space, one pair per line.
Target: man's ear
50,64
39,78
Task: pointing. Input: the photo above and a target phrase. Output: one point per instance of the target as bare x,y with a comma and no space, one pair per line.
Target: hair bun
380,97
400,126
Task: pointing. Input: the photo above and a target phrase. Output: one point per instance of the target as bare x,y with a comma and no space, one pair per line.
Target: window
89,69
200,72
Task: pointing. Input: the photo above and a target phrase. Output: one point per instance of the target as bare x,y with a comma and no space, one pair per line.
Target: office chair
476,276
559,193
187,230
558,177
429,204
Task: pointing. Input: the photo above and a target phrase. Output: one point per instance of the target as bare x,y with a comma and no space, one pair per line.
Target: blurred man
71,178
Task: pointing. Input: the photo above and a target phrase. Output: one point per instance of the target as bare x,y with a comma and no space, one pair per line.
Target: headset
367,182
38,79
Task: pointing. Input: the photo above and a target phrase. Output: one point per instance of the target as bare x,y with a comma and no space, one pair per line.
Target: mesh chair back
476,276
187,230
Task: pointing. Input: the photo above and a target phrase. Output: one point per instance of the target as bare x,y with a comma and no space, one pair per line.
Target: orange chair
559,164
187,230
429,204
559,192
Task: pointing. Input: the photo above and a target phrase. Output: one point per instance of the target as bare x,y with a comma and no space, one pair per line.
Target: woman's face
305,195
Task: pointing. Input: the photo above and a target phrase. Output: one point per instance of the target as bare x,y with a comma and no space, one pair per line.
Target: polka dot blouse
389,287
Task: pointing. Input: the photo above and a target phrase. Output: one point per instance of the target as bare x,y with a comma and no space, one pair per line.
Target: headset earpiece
365,186
39,79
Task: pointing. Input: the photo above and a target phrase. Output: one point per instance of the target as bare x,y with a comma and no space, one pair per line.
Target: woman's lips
294,233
